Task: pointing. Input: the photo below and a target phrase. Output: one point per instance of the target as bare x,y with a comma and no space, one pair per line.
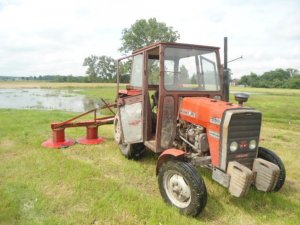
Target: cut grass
97,185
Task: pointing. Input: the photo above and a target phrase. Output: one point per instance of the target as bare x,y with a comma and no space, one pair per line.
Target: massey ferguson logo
188,113
215,120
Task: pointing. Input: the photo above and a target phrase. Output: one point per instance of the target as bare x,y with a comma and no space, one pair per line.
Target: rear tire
130,151
117,130
181,186
272,157
133,151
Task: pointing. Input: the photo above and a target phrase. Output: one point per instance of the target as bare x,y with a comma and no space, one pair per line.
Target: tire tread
271,156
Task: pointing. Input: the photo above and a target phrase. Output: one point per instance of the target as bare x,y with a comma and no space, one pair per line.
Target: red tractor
177,105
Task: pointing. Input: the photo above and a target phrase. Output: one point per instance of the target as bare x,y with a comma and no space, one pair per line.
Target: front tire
181,186
272,157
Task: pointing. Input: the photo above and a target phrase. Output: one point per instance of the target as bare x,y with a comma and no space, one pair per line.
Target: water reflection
47,99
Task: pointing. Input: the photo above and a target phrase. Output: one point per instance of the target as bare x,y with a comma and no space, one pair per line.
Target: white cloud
53,37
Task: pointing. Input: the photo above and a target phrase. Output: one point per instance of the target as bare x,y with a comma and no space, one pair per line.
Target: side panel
131,120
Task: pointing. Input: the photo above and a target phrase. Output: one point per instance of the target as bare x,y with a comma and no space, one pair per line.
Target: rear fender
169,154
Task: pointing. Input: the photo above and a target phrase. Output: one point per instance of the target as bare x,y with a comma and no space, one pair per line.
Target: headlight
233,146
252,144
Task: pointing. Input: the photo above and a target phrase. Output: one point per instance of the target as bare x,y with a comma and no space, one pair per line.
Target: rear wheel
272,157
132,151
117,130
181,186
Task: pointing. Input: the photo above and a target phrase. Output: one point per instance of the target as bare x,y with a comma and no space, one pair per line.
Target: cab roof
174,44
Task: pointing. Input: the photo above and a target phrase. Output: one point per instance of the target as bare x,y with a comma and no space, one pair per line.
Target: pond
50,99
47,99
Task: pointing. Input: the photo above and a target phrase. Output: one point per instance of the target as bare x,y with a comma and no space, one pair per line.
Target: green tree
293,82
293,72
125,70
92,70
279,78
106,68
184,74
194,79
278,74
145,32
250,80
100,68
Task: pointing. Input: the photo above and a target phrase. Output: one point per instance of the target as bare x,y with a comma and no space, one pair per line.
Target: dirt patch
7,143
58,191
7,153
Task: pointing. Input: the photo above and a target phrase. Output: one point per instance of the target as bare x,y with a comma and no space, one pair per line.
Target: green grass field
97,185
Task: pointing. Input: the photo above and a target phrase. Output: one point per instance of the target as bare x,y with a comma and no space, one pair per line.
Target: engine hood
204,111
224,122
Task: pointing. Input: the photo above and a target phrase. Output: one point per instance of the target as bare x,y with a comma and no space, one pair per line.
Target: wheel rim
117,132
177,189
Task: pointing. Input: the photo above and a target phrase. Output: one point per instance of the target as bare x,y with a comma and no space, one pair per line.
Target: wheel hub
178,190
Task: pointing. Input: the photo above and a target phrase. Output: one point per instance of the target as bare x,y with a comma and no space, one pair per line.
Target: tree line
278,78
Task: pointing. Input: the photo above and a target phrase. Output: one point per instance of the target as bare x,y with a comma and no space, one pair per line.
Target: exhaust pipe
226,73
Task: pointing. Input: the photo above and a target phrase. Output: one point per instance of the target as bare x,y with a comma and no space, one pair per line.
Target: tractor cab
160,76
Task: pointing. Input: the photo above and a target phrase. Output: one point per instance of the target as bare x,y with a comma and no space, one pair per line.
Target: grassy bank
97,185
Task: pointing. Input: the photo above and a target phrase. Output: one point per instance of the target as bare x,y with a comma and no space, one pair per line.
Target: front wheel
181,186
272,157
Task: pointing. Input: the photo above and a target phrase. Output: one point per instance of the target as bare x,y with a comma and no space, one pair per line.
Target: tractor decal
214,134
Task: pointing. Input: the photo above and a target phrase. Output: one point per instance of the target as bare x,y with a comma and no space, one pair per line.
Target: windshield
191,70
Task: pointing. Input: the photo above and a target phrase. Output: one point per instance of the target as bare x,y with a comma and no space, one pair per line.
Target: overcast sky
39,37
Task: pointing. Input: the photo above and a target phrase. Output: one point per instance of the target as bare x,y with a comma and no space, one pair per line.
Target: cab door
131,106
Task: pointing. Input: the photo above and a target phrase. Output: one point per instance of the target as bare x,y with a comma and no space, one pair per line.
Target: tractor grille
244,127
